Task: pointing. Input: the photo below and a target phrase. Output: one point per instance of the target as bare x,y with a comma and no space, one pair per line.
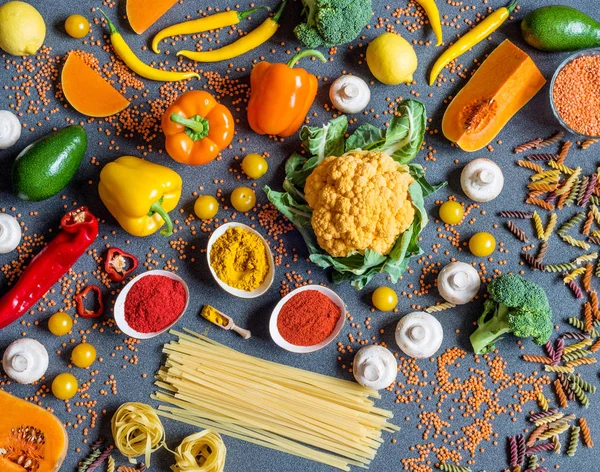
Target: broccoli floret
515,306
333,22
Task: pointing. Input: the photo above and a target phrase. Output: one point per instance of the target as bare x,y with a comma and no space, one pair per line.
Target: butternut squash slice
31,438
502,85
87,91
142,14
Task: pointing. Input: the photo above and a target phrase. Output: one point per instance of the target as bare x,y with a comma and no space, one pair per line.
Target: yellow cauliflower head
360,201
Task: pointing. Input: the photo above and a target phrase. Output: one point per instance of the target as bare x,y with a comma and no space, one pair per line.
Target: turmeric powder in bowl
240,260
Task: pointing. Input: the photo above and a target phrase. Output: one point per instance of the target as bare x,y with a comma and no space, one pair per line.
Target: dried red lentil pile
576,94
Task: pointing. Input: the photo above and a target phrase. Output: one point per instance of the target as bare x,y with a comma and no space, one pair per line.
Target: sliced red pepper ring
119,264
98,303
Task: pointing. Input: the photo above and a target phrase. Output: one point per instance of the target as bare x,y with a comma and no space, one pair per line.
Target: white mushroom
482,180
458,283
374,367
25,361
349,94
10,233
10,129
419,335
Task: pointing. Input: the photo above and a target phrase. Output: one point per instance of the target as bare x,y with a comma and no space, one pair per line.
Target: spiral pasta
537,359
439,307
585,183
539,226
561,167
516,214
586,434
537,432
560,393
542,402
587,317
539,202
564,267
200,452
559,368
564,151
550,227
592,256
137,430
573,441
531,166
533,144
570,182
557,443
518,232
580,394
571,241
552,173
543,186
587,143
586,386
573,274
571,222
580,362
586,280
573,356
110,464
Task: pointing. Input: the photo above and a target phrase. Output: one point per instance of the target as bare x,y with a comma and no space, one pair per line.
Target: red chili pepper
80,302
79,229
117,262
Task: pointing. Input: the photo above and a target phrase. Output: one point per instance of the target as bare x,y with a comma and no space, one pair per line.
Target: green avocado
560,28
46,166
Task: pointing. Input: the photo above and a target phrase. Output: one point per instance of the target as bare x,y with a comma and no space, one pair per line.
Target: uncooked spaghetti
321,418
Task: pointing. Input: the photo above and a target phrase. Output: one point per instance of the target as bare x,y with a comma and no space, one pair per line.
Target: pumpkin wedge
31,438
87,91
502,85
142,14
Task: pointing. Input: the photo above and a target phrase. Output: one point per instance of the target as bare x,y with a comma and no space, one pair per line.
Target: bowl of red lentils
575,94
307,319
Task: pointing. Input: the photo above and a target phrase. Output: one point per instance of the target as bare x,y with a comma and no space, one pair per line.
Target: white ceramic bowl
257,292
119,309
334,297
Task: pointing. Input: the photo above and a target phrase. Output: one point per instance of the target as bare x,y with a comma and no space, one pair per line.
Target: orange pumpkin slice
142,14
31,438
87,91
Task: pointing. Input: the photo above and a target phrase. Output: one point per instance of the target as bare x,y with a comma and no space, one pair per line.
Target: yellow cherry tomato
451,212
77,26
255,166
384,299
60,323
482,244
206,207
243,198
64,386
83,355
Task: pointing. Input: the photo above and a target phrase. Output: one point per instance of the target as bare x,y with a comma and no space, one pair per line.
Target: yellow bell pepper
139,194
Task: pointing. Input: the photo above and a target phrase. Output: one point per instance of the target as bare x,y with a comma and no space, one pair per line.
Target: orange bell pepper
196,128
281,96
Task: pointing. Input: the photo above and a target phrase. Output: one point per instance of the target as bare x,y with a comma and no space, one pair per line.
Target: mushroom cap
10,233
419,334
458,283
349,94
25,361
374,367
482,180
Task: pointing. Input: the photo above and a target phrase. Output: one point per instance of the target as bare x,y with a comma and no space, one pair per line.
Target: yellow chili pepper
206,23
434,18
136,65
246,43
490,24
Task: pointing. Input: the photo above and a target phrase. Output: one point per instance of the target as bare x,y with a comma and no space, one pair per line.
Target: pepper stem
306,53
278,13
157,208
511,6
111,27
196,127
242,15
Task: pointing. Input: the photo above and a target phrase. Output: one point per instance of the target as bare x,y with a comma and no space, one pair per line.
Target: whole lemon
391,59
22,29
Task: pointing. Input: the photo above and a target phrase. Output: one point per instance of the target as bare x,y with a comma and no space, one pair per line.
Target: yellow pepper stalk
206,23
139,194
490,24
136,65
433,13
246,43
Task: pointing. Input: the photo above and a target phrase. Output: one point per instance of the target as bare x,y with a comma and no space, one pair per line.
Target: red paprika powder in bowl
151,304
307,319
